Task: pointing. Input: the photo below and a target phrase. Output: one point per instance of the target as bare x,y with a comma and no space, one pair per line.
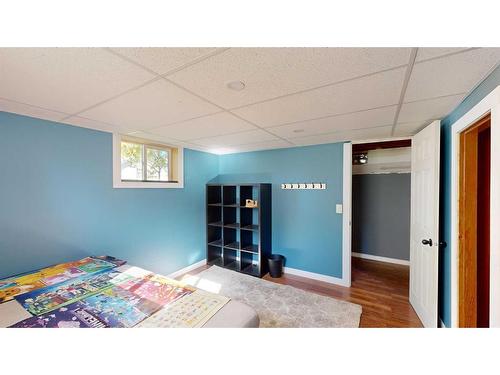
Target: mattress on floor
234,314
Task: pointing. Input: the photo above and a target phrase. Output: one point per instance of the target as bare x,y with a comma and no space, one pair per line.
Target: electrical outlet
338,208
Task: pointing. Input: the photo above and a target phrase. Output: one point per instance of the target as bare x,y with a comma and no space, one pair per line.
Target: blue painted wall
57,202
489,84
306,229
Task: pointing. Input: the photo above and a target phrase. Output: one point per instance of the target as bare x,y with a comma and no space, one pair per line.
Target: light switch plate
338,208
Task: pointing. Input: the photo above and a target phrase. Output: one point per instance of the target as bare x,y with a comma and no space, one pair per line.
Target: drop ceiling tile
207,126
153,105
272,72
425,53
65,79
31,111
163,139
378,90
429,109
90,124
350,135
410,128
269,145
451,75
358,120
163,60
252,136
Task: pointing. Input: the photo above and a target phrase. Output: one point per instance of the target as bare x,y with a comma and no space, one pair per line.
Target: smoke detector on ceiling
235,85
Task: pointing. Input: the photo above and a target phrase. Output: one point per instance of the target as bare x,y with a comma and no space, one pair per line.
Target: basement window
140,163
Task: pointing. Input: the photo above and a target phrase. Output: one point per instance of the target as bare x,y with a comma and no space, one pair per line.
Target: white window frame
117,171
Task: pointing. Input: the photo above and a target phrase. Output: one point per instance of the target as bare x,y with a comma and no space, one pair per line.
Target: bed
233,314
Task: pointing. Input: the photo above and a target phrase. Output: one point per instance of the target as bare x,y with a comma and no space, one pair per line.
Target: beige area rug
278,305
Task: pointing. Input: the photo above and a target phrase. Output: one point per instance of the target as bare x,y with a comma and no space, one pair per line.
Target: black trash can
276,265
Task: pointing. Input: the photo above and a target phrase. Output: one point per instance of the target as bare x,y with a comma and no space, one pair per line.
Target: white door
424,241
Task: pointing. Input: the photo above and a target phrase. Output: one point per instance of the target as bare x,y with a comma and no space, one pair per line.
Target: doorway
381,201
381,185
474,225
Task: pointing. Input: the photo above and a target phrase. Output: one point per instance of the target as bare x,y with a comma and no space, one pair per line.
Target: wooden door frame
468,222
489,104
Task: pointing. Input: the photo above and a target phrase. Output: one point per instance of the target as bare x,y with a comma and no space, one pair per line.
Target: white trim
119,184
490,103
380,140
317,276
184,270
346,215
381,259
441,323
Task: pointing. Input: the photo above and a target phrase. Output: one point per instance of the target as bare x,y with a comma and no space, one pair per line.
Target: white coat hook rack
304,186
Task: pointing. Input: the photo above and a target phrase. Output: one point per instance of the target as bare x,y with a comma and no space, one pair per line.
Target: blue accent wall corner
58,203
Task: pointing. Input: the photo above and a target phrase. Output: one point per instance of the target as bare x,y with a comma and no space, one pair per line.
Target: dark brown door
474,225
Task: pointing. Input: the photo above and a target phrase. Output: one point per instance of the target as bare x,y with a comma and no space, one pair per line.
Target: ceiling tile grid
258,146
31,111
407,129
272,72
292,96
357,120
378,90
348,135
153,105
91,124
163,60
65,79
203,127
435,108
242,138
427,53
454,74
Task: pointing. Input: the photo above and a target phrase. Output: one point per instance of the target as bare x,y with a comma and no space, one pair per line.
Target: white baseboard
291,271
381,259
317,276
184,270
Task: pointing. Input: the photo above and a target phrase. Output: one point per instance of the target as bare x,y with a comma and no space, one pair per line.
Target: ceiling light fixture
235,85
360,159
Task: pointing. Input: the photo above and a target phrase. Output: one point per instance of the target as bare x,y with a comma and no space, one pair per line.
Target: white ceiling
292,96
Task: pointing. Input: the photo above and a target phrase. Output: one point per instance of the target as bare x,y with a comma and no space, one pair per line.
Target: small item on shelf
251,203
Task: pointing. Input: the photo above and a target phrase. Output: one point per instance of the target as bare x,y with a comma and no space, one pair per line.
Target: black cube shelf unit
239,237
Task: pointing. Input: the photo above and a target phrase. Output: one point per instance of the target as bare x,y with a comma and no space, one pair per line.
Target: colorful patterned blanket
93,293
53,275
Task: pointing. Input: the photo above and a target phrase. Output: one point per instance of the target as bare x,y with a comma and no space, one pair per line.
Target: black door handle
427,242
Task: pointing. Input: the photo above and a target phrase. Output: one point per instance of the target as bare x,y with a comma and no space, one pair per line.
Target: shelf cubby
230,215
250,263
214,195
250,227
250,241
239,237
214,214
230,259
214,255
248,192
229,194
214,235
231,238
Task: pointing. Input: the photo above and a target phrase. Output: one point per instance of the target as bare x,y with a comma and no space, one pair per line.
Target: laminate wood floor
380,288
